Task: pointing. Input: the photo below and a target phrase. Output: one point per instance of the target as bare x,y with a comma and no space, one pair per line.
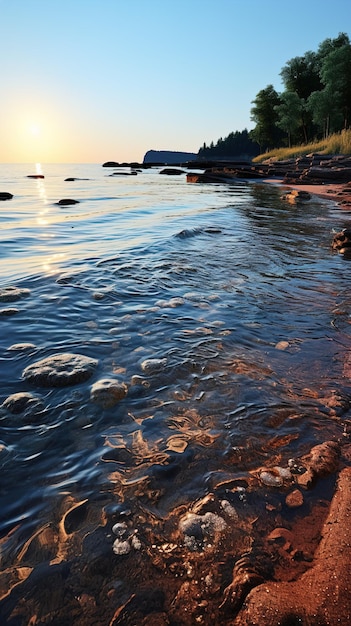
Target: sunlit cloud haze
95,80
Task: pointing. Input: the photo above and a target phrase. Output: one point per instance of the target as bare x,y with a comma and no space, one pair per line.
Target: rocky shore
323,175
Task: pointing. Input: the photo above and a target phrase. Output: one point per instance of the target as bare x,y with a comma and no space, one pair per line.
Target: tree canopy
316,102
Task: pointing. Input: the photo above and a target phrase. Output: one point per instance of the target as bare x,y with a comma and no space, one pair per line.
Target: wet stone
199,529
294,499
8,312
12,294
107,392
152,366
22,402
60,370
22,347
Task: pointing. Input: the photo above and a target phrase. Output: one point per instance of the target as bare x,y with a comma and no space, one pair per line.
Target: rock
22,402
295,195
9,311
200,529
323,459
107,392
172,171
21,347
35,176
60,370
5,195
275,476
12,294
169,157
152,366
342,241
67,201
110,164
294,499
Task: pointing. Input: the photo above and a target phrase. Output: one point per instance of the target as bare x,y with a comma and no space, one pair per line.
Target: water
242,297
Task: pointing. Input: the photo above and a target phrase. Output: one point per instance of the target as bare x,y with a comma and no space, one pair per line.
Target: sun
34,129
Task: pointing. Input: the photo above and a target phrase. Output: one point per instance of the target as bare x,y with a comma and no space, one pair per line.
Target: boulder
60,370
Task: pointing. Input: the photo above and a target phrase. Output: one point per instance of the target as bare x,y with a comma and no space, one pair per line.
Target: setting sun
34,129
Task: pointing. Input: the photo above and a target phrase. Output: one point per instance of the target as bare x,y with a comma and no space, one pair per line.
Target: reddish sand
337,192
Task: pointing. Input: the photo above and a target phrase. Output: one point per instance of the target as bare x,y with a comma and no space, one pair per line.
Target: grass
339,143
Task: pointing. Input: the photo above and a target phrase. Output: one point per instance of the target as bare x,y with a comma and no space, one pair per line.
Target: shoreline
340,193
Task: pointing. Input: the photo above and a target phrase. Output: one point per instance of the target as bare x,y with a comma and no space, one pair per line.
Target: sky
89,81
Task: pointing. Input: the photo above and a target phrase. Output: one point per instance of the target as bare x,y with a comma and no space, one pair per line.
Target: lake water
244,311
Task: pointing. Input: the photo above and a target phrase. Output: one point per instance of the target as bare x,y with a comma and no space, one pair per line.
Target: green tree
264,114
301,75
290,113
336,76
325,109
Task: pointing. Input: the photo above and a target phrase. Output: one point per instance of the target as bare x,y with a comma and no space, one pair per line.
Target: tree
336,76
263,113
325,110
301,75
290,113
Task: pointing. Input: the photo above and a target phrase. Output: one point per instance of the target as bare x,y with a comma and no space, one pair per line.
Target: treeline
236,144
315,103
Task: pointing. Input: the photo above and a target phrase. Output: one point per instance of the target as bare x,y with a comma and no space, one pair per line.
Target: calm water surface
237,291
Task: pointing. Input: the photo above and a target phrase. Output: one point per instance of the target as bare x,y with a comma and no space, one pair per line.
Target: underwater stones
126,539
294,499
22,402
200,529
295,195
153,366
275,476
60,370
323,459
12,294
107,392
342,241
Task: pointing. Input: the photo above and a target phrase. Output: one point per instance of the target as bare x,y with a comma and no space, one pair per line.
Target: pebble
60,370
294,499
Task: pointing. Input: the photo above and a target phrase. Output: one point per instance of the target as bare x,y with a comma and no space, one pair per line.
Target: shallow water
237,293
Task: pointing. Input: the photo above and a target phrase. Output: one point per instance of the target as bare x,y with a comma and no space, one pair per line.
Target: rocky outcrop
315,169
167,157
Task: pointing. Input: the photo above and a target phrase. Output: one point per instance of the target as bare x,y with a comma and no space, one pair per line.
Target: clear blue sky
97,80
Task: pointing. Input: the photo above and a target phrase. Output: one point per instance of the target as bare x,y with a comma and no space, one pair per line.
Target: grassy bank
340,143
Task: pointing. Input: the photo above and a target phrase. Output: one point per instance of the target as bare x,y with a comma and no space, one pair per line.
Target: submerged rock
200,529
9,311
107,392
12,294
60,370
21,347
152,366
22,402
